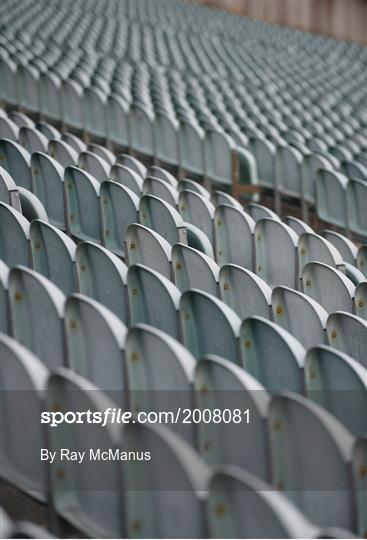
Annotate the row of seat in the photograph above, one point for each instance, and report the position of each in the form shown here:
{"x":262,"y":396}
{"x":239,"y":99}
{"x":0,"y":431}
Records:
{"x":341,"y":201}
{"x":203,"y":497}
{"x":183,"y":114}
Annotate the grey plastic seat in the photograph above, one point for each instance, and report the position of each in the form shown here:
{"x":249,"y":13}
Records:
{"x":36,"y":311}
{"x":62,"y":152}
{"x":87,"y":494}
{"x":191,"y":144}
{"x":197,"y":210}
{"x":268,"y":513}
{"x":300,"y":315}
{"x":102,"y":276}
{"x":119,"y":208}
{"x":95,"y":341}
{"x":95,"y":118}
{"x":324,"y":494}
{"x":192,"y":269}
{"x":356,"y":206}
{"x":153,"y":299}
{"x":118,"y":120}
{"x":331,"y":197}
{"x":161,"y":189}
{"x":166,"y":139}
{"x":233,"y":236}
{"x":72,"y":104}
{"x":264,"y":153}
{"x":332,"y":289}
{"x":98,"y":167}
{"x":220,"y":197}
{"x":21,"y":119}
{"x":359,"y":467}
{"x":360,"y":300}
{"x":141,"y":123}
{"x":192,"y":185}
{"x":147,"y":247}
{"x":48,"y":181}
{"x":102,"y":152}
{"x":276,"y":253}
{"x":198,"y":240}
{"x":4,"y":301}
{"x":362,"y":259}
{"x":14,"y":237}
{"x":48,"y":130}
{"x":160,"y":373}
{"x":348,"y":333}
{"x":257,"y":211}
{"x":32,"y":140}
{"x":23,"y":383}
{"x":162,"y":174}
{"x":8,"y":128}
{"x":297,"y":225}
{"x":16,"y":160}
{"x":347,"y":249}
{"x":53,"y":255}
{"x":276,"y":371}
{"x":127,"y":177}
{"x":82,"y":203}
{"x":220,"y":384}
{"x":9,"y":193}
{"x":132,"y":163}
{"x":338,"y":383}
{"x":172,"y":484}
{"x":288,"y":177}
{"x":162,"y":218}
{"x":245,"y":292}
{"x":313,"y":247}
{"x":209,"y":326}
{"x":74,"y":141}
{"x":32,"y":208}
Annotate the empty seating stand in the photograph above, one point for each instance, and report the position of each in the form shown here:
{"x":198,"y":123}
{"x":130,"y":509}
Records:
{"x":182,"y":228}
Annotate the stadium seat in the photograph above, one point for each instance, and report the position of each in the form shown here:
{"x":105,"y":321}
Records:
{"x":233,"y":237}
{"x":160,"y":373}
{"x":153,"y":299}
{"x":14,"y":237}
{"x":300,"y":315}
{"x":192,"y":269}
{"x":16,"y":160}
{"x":87,"y":495}
{"x":332,"y":289}
{"x":95,"y":341}
{"x":221,"y":385}
{"x":268,"y":512}
{"x":53,"y":255}
{"x":348,"y":333}
{"x":23,"y":383}
{"x":162,"y":218}
{"x":48,"y":181}
{"x":259,"y":338}
{"x":324,"y":493}
{"x":147,"y":247}
{"x":177,"y":496}
{"x":102,"y":276}
{"x":36,"y":313}
{"x":245,"y":292}
{"x":197,"y":210}
{"x":9,"y":192}
{"x":82,"y":204}
{"x":276,"y":253}
{"x":338,"y":383}
{"x":209,"y":326}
